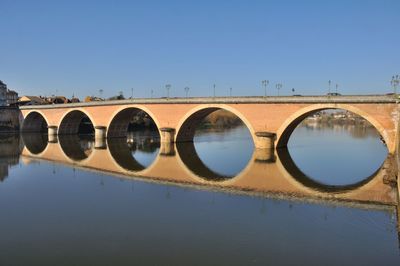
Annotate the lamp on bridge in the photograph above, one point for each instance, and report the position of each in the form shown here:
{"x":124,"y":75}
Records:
{"x":265,"y":84}
{"x":168,"y":87}
{"x":278,"y":87}
{"x":395,"y":82}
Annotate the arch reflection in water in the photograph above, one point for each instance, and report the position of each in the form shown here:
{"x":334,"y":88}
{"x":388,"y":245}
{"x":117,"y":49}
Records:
{"x":36,"y":143}
{"x":217,"y":155}
{"x":291,"y":167}
{"x":137,"y":151}
{"x":259,"y":176}
{"x":336,"y":148}
{"x":76,"y":147}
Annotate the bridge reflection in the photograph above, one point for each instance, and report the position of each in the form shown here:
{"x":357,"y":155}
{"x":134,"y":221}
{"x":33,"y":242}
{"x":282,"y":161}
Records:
{"x":265,"y":173}
{"x":192,"y":161}
{"x":122,"y":151}
{"x":291,"y":167}
{"x":77,"y":148}
{"x":10,"y":150}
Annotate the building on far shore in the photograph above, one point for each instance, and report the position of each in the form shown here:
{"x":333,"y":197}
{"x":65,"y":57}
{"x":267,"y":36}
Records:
{"x":12,"y":98}
{"x":3,"y":94}
{"x":7,"y":97}
{"x":31,"y":100}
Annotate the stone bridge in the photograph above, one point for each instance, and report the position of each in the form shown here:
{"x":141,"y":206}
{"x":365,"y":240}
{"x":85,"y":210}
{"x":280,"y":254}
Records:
{"x":270,"y":120}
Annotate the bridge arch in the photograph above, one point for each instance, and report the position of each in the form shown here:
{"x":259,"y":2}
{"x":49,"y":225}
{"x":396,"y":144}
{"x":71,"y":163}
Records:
{"x":70,"y":122}
{"x":290,"y":124}
{"x":35,"y":121}
{"x":119,"y":123}
{"x":187,"y":125}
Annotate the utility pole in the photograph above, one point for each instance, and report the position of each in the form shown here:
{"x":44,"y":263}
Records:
{"x":230,"y":91}
{"x":131,"y":93}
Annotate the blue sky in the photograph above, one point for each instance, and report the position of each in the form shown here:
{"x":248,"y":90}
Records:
{"x":80,"y":47}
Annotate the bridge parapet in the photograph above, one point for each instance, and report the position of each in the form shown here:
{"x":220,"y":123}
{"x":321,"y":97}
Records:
{"x":228,"y":100}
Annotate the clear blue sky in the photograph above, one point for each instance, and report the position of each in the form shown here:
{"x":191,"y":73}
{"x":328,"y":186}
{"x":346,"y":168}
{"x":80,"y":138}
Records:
{"x":75,"y":47}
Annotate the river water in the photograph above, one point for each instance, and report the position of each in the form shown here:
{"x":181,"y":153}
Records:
{"x":217,"y":202}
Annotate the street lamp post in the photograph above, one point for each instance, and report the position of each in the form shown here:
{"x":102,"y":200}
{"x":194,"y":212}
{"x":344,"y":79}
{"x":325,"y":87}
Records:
{"x":131,"y":93}
{"x":329,"y":87}
{"x":278,"y":87}
{"x":230,"y":91}
{"x":395,"y":83}
{"x":151,"y":93}
{"x":214,"y":90}
{"x":265,"y":84}
{"x":168,"y":87}
{"x":187,"y":91}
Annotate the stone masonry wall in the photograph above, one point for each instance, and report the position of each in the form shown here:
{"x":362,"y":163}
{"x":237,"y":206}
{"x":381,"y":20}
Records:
{"x":9,"y":119}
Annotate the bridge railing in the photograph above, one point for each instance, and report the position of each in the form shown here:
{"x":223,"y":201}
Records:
{"x":229,"y":100}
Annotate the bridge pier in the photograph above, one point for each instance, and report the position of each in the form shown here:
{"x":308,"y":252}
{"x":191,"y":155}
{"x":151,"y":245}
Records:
{"x":100,"y":143}
{"x":167,"y":149}
{"x":52,"y":138}
{"x":264,"y":146}
{"x":265,"y":140}
{"x":264,"y":155}
{"x":52,"y":134}
{"x":167,"y":134}
{"x":52,"y":130}
{"x":100,"y":137}
{"x":100,"y":132}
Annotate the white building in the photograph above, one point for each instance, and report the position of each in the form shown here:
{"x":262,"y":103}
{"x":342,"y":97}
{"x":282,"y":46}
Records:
{"x":3,"y":94}
{"x":7,"y":97}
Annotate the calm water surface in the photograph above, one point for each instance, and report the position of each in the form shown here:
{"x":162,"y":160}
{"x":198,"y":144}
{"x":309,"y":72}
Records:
{"x":56,"y":213}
